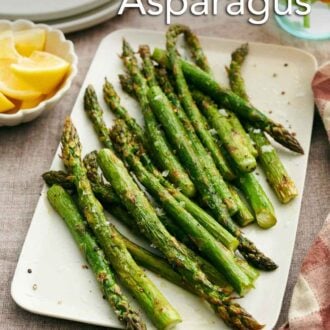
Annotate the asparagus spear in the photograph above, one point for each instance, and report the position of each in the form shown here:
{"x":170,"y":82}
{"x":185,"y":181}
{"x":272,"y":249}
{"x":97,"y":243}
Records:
{"x":145,"y":259}
{"x":235,"y":122}
{"x":150,"y":298}
{"x":196,"y":119}
{"x":243,"y":217}
{"x":66,"y":181}
{"x":261,"y":204}
{"x":258,"y":200}
{"x":152,"y":262}
{"x":194,"y":115}
{"x":208,"y":222}
{"x":90,"y":161}
{"x":203,"y":217}
{"x":219,"y":159}
{"x":275,"y":172}
{"x":66,"y":208}
{"x":236,"y":80}
{"x":95,"y":112}
{"x":206,"y":243}
{"x":125,"y":145}
{"x":232,"y":141}
{"x":198,"y":167}
{"x":160,"y":104}
{"x":128,"y":146}
{"x":267,"y":214}
{"x":106,"y":195}
{"x":133,"y":147}
{"x":226,"y":98}
{"x":201,"y":60}
{"x":194,"y":44}
{"x":61,"y":178}
{"x":156,"y":138}
{"x":111,"y":98}
{"x":217,"y":180}
{"x":247,"y":248}
{"x":148,"y":222}
{"x":161,"y":267}
{"x":203,"y":63}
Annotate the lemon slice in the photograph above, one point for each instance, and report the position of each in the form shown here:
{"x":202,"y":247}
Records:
{"x":14,"y":87}
{"x":27,"y":41}
{"x":5,"y":104}
{"x":29,"y":104}
{"x":7,"y":49}
{"x":43,"y":71}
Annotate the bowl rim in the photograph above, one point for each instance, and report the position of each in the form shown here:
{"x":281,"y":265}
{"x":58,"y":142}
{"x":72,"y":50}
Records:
{"x":22,"y":113}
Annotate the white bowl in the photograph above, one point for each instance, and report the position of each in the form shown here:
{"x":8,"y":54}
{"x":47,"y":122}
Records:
{"x":55,"y":44}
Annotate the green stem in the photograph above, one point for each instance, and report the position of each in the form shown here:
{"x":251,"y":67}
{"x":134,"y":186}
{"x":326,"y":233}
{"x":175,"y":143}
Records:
{"x":194,"y":115}
{"x":95,"y":113}
{"x":229,"y":136}
{"x":161,"y":106}
{"x":156,"y":138}
{"x":218,"y":254}
{"x":146,"y":218}
{"x":229,"y":100}
{"x":243,"y":217}
{"x":150,"y":298}
{"x":219,"y":160}
{"x":159,"y":266}
{"x":269,"y":160}
{"x":66,"y":208}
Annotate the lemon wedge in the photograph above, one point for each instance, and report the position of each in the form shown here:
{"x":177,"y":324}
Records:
{"x":14,"y":87}
{"x":29,"y":104}
{"x":43,"y":71}
{"x":10,"y":85}
{"x":7,"y":49}
{"x":27,"y":41}
{"x":5,"y":104}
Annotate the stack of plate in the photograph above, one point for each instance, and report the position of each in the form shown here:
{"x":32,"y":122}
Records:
{"x":66,"y":15}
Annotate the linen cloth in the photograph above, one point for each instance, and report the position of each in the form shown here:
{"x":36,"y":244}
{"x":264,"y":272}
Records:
{"x":321,"y":89}
{"x":310,"y":304}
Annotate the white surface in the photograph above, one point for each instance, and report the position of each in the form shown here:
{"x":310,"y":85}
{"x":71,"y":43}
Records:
{"x":64,"y":289}
{"x":55,"y":44}
{"x":87,"y":19}
{"x":41,"y":10}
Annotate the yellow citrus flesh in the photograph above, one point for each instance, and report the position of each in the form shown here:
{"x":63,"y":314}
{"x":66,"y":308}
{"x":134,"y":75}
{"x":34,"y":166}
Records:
{"x":43,"y":71}
{"x":5,"y":103}
{"x":29,"y":104}
{"x":10,"y":85}
{"x":27,"y":41}
{"x":7,"y":49}
{"x":14,"y":87}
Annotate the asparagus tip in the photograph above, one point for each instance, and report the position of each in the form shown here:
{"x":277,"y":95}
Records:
{"x":144,"y":51}
{"x":284,"y":137}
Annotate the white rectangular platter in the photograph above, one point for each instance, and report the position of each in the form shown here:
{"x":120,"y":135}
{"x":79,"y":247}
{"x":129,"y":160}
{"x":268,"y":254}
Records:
{"x":278,"y":81}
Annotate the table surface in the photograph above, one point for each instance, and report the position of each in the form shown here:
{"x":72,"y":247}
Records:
{"x":26,"y":151}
